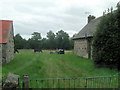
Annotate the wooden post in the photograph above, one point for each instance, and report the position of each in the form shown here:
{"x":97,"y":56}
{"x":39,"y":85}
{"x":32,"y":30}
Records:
{"x":25,"y":81}
{"x":86,"y":83}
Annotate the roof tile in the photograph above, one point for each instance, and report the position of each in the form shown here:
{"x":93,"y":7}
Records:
{"x":89,"y":29}
{"x":5,"y":26}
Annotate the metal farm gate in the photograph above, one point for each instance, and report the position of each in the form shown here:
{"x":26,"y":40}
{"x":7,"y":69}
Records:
{"x":82,"y":82}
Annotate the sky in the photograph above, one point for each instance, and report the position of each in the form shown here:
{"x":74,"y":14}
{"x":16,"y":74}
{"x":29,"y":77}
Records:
{"x":41,"y":16}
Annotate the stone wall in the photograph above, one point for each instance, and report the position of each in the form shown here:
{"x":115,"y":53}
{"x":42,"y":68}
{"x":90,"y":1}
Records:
{"x":10,"y":46}
{"x":83,"y":47}
{"x":91,"y":49}
{"x":4,"y":46}
{"x":80,"y":48}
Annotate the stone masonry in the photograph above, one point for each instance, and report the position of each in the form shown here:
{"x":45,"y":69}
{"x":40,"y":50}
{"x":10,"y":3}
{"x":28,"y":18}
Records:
{"x":80,"y":47}
{"x":10,"y":47}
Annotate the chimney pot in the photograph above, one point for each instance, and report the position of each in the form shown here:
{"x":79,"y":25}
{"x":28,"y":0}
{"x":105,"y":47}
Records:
{"x":90,"y":17}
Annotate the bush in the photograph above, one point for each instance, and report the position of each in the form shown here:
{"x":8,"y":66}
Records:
{"x":106,"y":41}
{"x":4,"y":76}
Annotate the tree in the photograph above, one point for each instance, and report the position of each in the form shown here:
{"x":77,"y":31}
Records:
{"x":51,"y":40}
{"x":19,"y":42}
{"x":35,"y":41}
{"x":36,"y":36}
{"x":71,"y":44}
{"x":62,"y":40}
{"x":45,"y":44}
{"x":106,"y":40}
{"x":50,"y":35}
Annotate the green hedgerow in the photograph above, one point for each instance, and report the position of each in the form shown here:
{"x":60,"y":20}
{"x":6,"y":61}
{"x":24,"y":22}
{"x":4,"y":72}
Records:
{"x":106,"y":41}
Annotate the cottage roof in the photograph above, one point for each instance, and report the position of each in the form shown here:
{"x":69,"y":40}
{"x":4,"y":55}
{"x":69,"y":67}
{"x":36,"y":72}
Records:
{"x":88,"y":30}
{"x":5,"y":26}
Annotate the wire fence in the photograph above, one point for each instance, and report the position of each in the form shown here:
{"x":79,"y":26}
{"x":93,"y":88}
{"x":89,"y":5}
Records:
{"x":82,"y":82}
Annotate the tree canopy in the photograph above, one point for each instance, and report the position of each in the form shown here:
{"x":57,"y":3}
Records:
{"x":62,"y":39}
{"x":53,"y":41}
{"x":19,"y":42}
{"x":36,"y":36}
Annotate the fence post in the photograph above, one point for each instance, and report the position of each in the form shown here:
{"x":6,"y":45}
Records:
{"x":25,"y":81}
{"x":86,"y":83}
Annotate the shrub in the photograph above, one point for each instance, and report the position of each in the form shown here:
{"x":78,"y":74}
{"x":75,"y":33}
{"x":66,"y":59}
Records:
{"x":106,"y":40}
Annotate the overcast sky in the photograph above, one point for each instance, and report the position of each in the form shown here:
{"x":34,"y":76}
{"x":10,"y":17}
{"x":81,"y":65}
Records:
{"x":43,"y":15}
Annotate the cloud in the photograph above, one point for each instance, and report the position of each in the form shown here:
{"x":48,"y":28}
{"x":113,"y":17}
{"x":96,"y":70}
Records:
{"x":44,"y":15}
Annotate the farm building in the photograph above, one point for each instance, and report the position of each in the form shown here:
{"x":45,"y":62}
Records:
{"x":6,"y":41}
{"x":83,"y":40}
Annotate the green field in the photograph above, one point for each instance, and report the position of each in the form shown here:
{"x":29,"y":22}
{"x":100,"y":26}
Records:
{"x":45,"y":65}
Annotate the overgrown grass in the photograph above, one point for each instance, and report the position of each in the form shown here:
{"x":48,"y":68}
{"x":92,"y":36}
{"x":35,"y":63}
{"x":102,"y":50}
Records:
{"x":45,"y":65}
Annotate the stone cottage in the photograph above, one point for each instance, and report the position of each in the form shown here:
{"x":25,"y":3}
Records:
{"x":83,"y":40}
{"x":6,"y":41}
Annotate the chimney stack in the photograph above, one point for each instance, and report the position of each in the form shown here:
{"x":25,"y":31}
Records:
{"x":90,"y":17}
